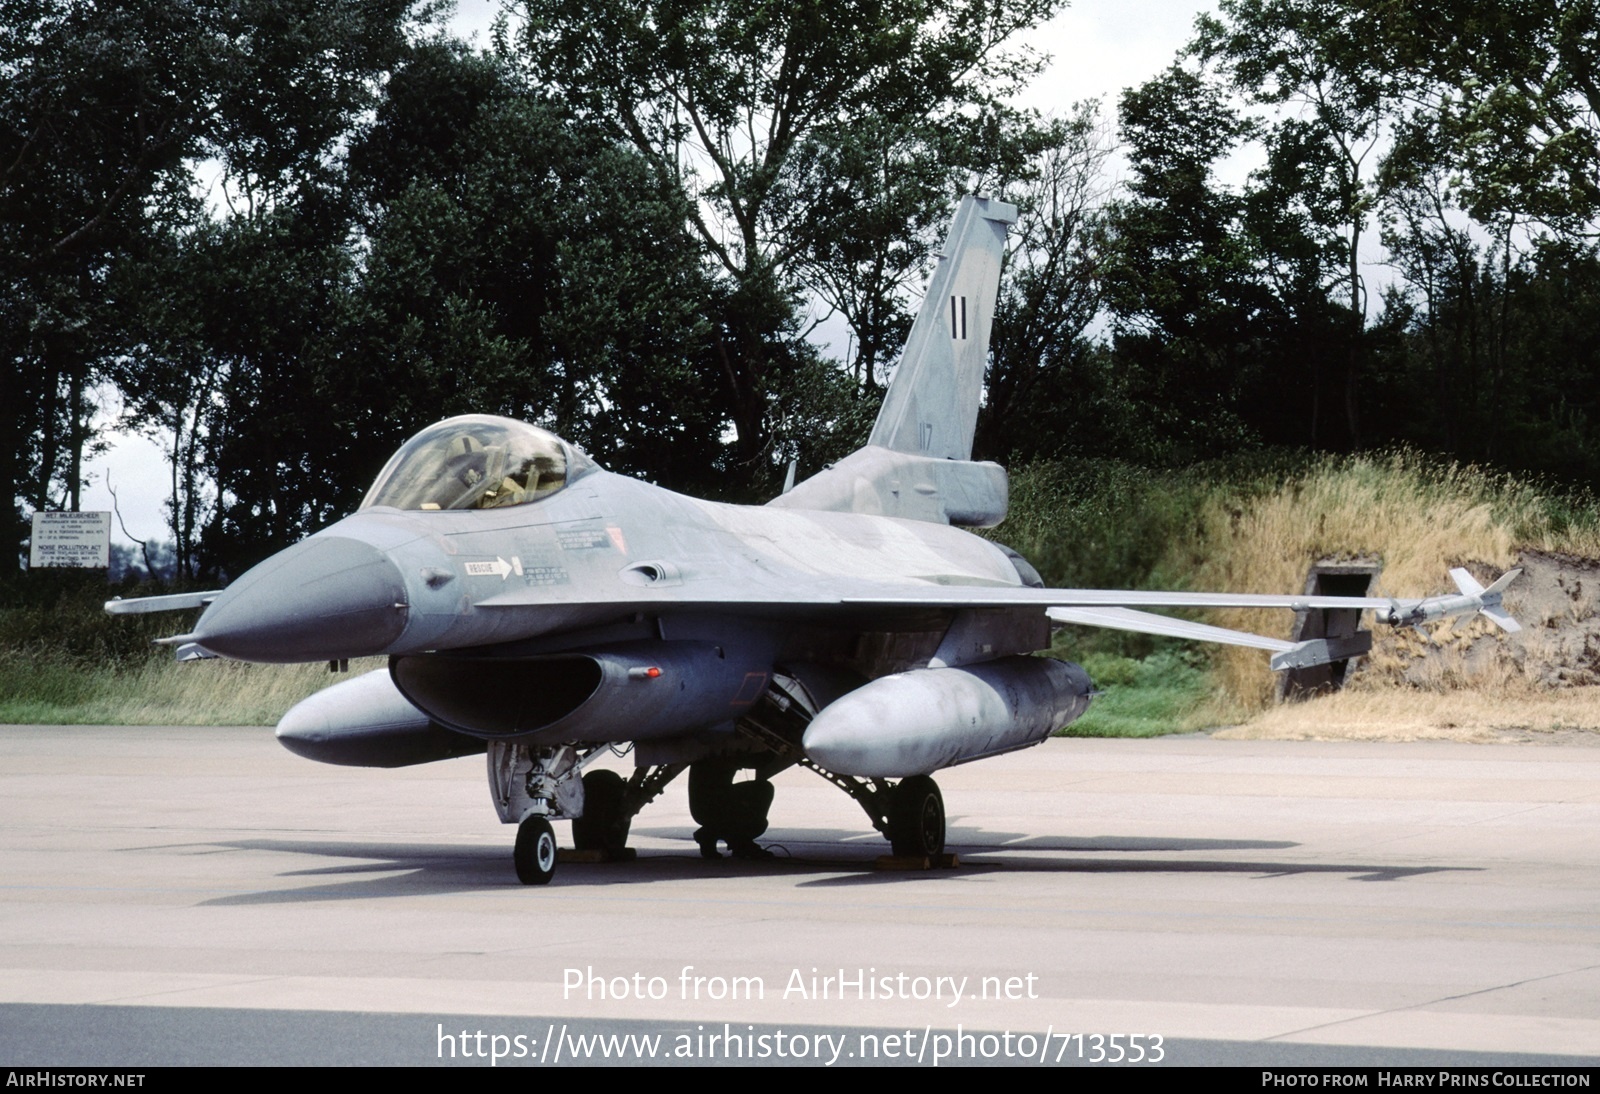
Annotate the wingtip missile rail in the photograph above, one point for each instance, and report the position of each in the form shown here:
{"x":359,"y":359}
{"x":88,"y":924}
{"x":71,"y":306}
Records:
{"x":1473,"y":599}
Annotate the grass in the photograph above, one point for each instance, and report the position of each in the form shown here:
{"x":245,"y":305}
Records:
{"x":1417,"y":519}
{"x":63,"y":660}
{"x":1413,"y":517}
{"x":1472,"y":715}
{"x":1249,"y":524}
{"x":1165,"y":692}
{"x":158,"y":692}
{"x":1258,"y":525}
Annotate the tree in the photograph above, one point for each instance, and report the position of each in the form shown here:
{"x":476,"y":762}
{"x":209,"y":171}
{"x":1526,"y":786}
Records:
{"x":1049,"y":389}
{"x":1182,"y":276}
{"x":1510,"y":93}
{"x":104,"y":109}
{"x":168,"y":378}
{"x":763,"y":115}
{"x":1469,"y":132}
{"x":1324,"y":68}
{"x":878,"y":197}
{"x":1490,"y":206}
{"x":571,"y":293}
{"x":100,"y":103}
{"x":300,"y":74}
{"x":1490,"y":351}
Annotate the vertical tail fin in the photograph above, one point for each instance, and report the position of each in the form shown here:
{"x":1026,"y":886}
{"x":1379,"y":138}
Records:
{"x":918,"y":463}
{"x":931,"y":408}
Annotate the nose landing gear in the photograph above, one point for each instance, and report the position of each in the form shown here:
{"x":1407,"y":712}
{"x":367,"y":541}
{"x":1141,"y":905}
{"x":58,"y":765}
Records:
{"x":535,"y":851}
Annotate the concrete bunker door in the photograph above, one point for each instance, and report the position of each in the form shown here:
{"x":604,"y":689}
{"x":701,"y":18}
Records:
{"x":1330,"y":579}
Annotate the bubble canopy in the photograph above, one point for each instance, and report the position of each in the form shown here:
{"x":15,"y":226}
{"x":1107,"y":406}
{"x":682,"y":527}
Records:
{"x":476,"y":461}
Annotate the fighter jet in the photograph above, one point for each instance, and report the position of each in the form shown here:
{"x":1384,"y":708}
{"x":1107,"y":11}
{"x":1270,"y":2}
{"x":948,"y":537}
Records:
{"x":541,"y":610}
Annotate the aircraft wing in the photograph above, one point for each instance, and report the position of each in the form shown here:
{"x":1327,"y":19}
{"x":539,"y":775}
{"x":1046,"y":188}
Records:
{"x":856,"y":594}
{"x":1009,"y":596}
{"x":1118,"y":609}
{"x":853,"y":593}
{"x":1473,"y":599}
{"x":1109,"y":608}
{"x":867,"y":595}
{"x":143,"y":605}
{"x":1112,"y":608}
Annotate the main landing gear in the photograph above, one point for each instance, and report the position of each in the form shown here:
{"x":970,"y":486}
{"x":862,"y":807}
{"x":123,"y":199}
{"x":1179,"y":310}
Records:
{"x":533,"y":786}
{"x":915,"y":824}
{"x":910,"y":813}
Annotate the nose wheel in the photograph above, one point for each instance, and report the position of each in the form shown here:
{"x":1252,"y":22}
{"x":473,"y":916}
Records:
{"x":535,"y":851}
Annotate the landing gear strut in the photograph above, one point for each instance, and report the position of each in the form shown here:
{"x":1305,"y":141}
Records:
{"x":910,"y":813}
{"x":529,"y":786}
{"x":533,"y":785}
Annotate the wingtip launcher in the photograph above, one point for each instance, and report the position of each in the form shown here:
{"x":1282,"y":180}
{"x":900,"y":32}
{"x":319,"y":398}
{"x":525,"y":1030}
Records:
{"x":1473,"y":599}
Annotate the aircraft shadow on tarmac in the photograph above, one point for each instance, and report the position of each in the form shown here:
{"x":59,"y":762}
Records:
{"x":844,"y":857}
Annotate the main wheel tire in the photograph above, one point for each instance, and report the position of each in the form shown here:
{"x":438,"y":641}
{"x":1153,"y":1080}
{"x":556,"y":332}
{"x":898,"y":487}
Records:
{"x":535,"y":852}
{"x":604,"y":826}
{"x":916,"y":818}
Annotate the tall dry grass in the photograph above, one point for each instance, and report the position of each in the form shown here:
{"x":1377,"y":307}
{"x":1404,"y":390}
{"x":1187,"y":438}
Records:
{"x":1414,"y":517}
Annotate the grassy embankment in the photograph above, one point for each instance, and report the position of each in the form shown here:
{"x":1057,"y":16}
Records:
{"x":1258,"y":528}
{"x":1244,"y":526}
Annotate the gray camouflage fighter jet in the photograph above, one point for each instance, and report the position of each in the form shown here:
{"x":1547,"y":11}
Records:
{"x":538,"y":608}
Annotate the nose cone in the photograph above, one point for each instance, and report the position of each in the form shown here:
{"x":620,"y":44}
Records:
{"x":329,"y":597}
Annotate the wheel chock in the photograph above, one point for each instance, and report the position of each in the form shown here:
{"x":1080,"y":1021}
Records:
{"x":572,"y":854}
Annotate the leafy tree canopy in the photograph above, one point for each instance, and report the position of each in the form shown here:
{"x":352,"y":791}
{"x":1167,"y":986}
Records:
{"x":799,"y":133}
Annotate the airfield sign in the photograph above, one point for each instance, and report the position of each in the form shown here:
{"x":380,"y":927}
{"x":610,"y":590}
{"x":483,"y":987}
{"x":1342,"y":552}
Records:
{"x":71,"y":539}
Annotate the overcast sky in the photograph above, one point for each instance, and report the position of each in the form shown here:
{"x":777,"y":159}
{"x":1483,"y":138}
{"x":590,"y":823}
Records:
{"x":1096,"y":48}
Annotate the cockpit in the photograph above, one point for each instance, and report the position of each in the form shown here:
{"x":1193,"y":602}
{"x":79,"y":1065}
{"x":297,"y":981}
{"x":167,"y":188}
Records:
{"x":476,"y":462}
